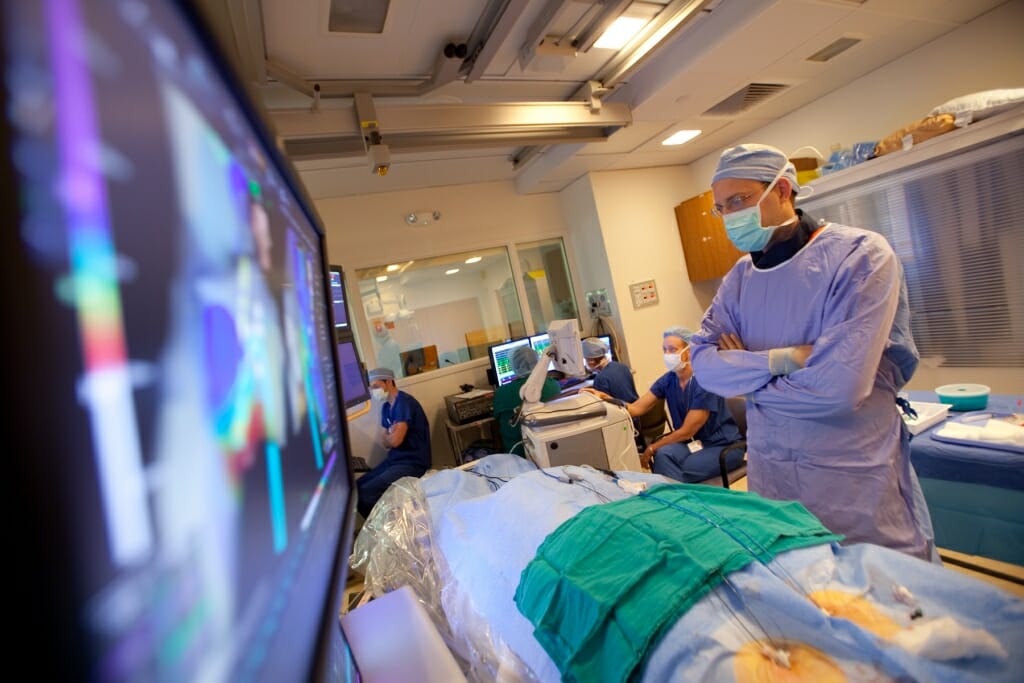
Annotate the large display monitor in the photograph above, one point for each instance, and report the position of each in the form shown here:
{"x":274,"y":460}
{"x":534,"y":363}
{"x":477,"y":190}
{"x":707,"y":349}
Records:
{"x":501,"y":359}
{"x":175,"y":453}
{"x":338,"y":300}
{"x":354,"y":387}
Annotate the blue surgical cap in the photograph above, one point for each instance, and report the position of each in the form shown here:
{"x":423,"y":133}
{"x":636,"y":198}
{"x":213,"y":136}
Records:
{"x":594,"y":348}
{"x":524,"y":358}
{"x":381,"y":373}
{"x":754,"y":162}
{"x":680,"y":332}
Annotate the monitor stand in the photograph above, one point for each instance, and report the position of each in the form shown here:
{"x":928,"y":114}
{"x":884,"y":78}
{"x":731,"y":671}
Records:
{"x":393,"y":639}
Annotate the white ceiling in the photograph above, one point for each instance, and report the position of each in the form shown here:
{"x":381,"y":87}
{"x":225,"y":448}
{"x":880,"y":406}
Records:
{"x":728,"y":44}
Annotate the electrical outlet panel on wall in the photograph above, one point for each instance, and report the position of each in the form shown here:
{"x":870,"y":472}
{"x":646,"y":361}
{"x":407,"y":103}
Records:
{"x":598,"y":303}
{"x":643,"y":293}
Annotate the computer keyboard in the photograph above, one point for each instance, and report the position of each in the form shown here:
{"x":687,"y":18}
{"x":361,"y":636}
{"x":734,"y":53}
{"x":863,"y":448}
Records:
{"x":359,"y":464}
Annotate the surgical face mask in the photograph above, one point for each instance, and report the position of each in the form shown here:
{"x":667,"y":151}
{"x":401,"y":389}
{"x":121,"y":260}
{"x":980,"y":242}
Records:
{"x":378,"y":394}
{"x":744,"y":227}
{"x":674,"y":362}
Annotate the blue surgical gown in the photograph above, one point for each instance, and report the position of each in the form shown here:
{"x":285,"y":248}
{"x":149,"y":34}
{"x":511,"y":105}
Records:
{"x":829,"y":434}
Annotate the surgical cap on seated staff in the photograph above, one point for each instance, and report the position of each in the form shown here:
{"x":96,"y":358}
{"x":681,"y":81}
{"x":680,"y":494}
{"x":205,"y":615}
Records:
{"x":594,"y":348}
{"x":680,"y":332}
{"x":524,"y":358}
{"x":754,"y":162}
{"x":381,"y":373}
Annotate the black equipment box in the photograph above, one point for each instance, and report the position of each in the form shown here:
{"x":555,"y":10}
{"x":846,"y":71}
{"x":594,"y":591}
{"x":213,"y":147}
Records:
{"x":466,"y":409}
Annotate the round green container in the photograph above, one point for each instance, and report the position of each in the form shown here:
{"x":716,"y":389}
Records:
{"x":964,"y":396}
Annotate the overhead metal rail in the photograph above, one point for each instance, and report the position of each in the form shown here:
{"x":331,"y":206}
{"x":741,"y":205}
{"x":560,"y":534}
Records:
{"x":325,"y":133}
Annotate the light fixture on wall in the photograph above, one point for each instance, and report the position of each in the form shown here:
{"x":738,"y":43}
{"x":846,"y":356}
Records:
{"x":422,"y":217}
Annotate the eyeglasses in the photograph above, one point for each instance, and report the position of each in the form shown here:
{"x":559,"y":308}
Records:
{"x":733,"y":203}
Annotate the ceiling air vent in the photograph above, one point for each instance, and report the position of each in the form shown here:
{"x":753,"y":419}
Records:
{"x":357,"y":16}
{"x":832,"y":49}
{"x":747,"y":97}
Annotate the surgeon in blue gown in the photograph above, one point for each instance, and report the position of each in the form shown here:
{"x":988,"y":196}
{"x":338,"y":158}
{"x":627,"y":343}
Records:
{"x":813,"y":329}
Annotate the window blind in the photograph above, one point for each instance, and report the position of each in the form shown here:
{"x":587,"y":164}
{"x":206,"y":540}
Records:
{"x":957,"y":225}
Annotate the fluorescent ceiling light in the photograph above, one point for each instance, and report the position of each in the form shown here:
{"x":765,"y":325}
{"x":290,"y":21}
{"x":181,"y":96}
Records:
{"x":620,"y":32}
{"x":451,"y":271}
{"x":680,"y":136}
{"x":393,"y":267}
{"x":382,"y":278}
{"x":474,"y":259}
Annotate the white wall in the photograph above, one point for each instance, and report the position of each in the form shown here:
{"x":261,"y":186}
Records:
{"x":636,"y":210}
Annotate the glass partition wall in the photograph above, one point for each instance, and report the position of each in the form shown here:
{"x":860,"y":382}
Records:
{"x":430,"y":313}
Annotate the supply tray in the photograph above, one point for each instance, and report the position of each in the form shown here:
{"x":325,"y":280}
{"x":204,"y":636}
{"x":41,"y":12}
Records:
{"x":928,"y":415}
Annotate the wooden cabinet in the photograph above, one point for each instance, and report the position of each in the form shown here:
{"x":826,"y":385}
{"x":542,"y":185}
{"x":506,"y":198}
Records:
{"x":708,"y":251}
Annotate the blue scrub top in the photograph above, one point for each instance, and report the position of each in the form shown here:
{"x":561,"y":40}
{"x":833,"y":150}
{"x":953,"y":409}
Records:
{"x":415,"y":448}
{"x":719,"y":430}
{"x":616,"y":380}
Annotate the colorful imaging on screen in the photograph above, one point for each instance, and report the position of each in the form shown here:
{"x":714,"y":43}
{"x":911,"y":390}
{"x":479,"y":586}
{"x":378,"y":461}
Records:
{"x":206,"y":496}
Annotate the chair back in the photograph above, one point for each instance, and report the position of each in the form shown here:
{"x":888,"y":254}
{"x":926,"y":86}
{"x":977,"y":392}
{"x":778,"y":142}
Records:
{"x":738,"y":409}
{"x":651,"y":424}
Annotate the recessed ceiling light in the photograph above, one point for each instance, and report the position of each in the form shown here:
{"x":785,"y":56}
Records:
{"x":382,"y":278}
{"x":474,"y":259}
{"x":451,"y":271}
{"x":680,"y":136}
{"x":620,"y":32}
{"x":393,"y":267}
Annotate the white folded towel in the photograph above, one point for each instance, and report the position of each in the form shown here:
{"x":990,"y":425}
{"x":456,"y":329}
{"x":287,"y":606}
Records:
{"x":993,"y":431}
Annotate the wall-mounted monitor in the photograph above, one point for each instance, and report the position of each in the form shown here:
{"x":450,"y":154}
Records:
{"x":354,"y":387}
{"x":501,"y":359}
{"x":176,"y":448}
{"x":339,"y":306}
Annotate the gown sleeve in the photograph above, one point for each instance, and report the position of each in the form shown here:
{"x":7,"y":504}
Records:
{"x":726,"y":373}
{"x":841,"y":369}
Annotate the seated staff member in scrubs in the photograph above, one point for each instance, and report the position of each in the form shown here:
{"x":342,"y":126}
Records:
{"x":507,"y":399}
{"x":610,"y":377}
{"x":701,"y":423}
{"x":404,"y":431}
{"x":813,"y":328}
